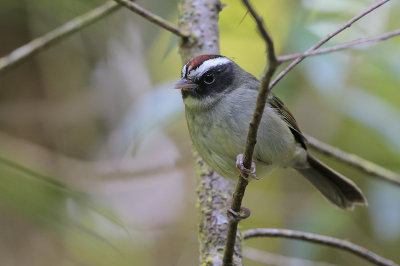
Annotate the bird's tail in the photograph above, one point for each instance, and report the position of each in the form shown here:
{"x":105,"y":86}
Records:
{"x":338,"y":189}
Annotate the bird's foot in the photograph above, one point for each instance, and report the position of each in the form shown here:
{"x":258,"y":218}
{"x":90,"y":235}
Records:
{"x":244,"y":172}
{"x":238,"y":216}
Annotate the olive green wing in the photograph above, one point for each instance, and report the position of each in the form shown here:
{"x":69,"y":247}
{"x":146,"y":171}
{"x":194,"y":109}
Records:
{"x":285,"y":114}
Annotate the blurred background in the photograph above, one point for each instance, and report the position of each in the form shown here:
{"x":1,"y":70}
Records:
{"x":95,"y":158}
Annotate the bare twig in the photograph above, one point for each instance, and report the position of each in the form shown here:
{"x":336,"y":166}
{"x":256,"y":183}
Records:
{"x":340,"y":47}
{"x":252,"y":134}
{"x":320,"y":239}
{"x":324,"y":40}
{"x":56,"y":35}
{"x":154,"y":18}
{"x":266,"y":86}
{"x":264,"y":34}
{"x":268,"y":258}
{"x":355,"y":161}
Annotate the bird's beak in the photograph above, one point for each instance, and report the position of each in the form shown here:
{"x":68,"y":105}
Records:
{"x":185,"y":84}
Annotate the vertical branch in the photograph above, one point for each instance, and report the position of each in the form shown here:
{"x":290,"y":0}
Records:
{"x":214,"y":193}
{"x":200,"y":17}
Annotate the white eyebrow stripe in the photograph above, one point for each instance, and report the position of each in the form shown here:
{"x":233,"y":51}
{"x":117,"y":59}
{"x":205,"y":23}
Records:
{"x":207,"y":65}
{"x":183,"y":73}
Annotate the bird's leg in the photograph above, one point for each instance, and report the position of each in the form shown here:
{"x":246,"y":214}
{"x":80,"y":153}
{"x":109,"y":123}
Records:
{"x":244,"y":172}
{"x":237,"y":216}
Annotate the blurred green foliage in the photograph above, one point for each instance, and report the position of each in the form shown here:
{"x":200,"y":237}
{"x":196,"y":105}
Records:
{"x":95,"y":158}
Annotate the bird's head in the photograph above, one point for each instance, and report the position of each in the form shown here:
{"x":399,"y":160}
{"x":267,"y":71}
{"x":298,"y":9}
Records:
{"x":206,"y":78}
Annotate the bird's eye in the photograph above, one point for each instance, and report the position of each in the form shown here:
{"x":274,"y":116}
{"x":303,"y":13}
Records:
{"x":208,"y":78}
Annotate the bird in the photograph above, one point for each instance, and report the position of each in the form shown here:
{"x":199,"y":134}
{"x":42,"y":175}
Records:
{"x":219,"y":98}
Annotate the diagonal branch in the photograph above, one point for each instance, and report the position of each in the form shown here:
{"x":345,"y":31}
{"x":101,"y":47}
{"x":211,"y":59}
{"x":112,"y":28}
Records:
{"x":320,"y":239}
{"x":26,"y":51}
{"x":324,"y":40}
{"x":154,"y":18}
{"x":266,"y":86}
{"x":340,"y":47}
{"x":252,"y":134}
{"x":355,"y":161}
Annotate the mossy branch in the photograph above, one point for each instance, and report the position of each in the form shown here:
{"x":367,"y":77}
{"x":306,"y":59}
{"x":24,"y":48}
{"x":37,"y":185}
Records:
{"x":201,"y":18}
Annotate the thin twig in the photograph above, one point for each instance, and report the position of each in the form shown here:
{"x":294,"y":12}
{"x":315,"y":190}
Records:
{"x":324,"y":40}
{"x":355,"y":161}
{"x":56,"y":35}
{"x":268,"y":258}
{"x":339,"y":47}
{"x":320,"y":239}
{"x":154,"y":18}
{"x":266,"y":86}
{"x":252,"y":134}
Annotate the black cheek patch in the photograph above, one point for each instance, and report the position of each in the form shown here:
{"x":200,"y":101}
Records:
{"x":223,"y":80}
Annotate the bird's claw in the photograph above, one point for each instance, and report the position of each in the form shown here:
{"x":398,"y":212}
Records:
{"x":238,"y":216}
{"x":244,"y":172}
